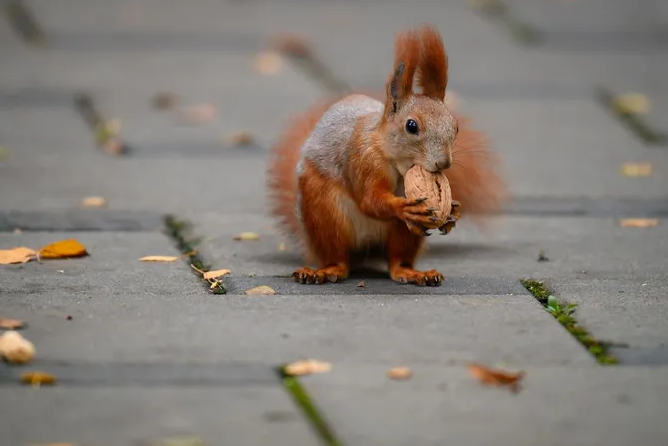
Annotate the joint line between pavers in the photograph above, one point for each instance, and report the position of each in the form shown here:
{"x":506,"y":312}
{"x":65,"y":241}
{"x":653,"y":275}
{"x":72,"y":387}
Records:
{"x":633,"y":121}
{"x":179,"y":232}
{"x":498,"y":11}
{"x":564,"y":313}
{"x":23,"y":22}
{"x":305,"y":402}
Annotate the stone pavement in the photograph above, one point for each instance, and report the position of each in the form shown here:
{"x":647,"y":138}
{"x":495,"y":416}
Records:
{"x":144,"y":352}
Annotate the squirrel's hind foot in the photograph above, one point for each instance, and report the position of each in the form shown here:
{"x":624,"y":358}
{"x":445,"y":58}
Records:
{"x":335,"y":273}
{"x":405,"y":275}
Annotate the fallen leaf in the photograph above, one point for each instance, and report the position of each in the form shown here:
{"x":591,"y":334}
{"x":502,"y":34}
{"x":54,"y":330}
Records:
{"x":262,"y":290}
{"x":37,"y":378}
{"x":307,"y":367}
{"x":361,"y":284}
{"x":292,"y":44}
{"x":11,"y":324}
{"x":69,"y":317}
{"x":542,"y":257}
{"x":268,"y":62}
{"x":239,"y":139}
{"x":247,"y":236}
{"x":15,"y":349}
{"x":179,"y":441}
{"x":637,"y":169}
{"x":158,"y":259}
{"x":63,"y":249}
{"x":94,"y":202}
{"x":215,"y":274}
{"x":282,"y":247}
{"x":164,"y":100}
{"x":639,"y":222}
{"x":17,"y":231}
{"x":636,"y":103}
{"x":399,"y":373}
{"x":113,"y":146}
{"x":16,"y":255}
{"x":496,"y":377}
{"x":197,"y":113}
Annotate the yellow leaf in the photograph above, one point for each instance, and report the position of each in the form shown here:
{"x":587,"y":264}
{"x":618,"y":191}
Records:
{"x":214,"y":274}
{"x":94,"y":202}
{"x":307,"y":367}
{"x":260,"y":290}
{"x":282,"y":247}
{"x":247,"y":236}
{"x":639,"y":222}
{"x":637,"y":169}
{"x":632,"y":103}
{"x":158,"y":259}
{"x":63,"y":249}
{"x":497,"y":377}
{"x":16,"y":255}
{"x":239,"y":139}
{"x":37,"y":378}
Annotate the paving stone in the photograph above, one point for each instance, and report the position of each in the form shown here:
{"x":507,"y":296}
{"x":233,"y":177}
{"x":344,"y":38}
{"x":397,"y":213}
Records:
{"x":81,"y":220}
{"x":111,"y":273}
{"x":272,"y":330}
{"x":630,"y":313}
{"x":556,"y":406}
{"x":109,"y":416}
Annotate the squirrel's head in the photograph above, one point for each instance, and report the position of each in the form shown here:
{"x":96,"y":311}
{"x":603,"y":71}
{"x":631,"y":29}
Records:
{"x":418,"y":127}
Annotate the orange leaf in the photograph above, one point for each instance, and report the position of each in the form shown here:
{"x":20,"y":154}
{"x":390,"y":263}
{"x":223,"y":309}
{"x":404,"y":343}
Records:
{"x":399,"y":373}
{"x":37,"y":378}
{"x":63,"y":249}
{"x":637,"y":169}
{"x":11,"y":324}
{"x":307,"y":367}
{"x":16,"y":255}
{"x":639,"y":222}
{"x":496,"y":377}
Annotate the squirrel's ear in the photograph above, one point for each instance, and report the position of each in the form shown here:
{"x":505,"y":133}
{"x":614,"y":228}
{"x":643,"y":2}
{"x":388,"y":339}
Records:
{"x":400,"y":84}
{"x":432,"y":75}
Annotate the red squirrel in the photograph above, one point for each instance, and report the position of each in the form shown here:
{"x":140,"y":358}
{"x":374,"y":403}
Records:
{"x":335,"y":180}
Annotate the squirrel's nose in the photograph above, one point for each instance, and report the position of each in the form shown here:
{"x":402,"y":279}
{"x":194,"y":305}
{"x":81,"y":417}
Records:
{"x":444,"y":164}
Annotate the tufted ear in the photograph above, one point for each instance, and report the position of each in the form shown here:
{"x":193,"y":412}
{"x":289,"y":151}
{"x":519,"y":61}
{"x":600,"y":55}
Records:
{"x":399,"y":85}
{"x":432,"y":72}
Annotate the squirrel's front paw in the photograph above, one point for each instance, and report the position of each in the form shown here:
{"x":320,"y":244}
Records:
{"x":451,"y":222}
{"x":418,"y":215}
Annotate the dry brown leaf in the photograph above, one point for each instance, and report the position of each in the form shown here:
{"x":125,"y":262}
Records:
{"x":639,"y":222}
{"x":307,"y":367}
{"x":637,"y":169}
{"x":17,"y":231}
{"x":16,"y":349}
{"x":282,"y":247}
{"x":11,"y":324}
{"x":158,"y":259}
{"x":16,"y":255}
{"x":215,"y":274}
{"x":247,"y":236}
{"x":268,"y":62}
{"x":262,"y":290}
{"x":164,"y":100}
{"x":37,"y":378}
{"x":399,"y":373}
{"x":239,"y":139}
{"x":636,"y":103}
{"x":94,"y":202}
{"x":496,"y":377}
{"x":197,"y":113}
{"x":361,"y":284}
{"x":63,"y":249}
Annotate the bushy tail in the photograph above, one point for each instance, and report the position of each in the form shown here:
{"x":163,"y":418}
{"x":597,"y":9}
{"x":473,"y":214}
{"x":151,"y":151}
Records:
{"x":281,"y":169}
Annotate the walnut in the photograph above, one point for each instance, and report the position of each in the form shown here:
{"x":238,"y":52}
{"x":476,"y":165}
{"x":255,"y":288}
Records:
{"x":419,"y":182}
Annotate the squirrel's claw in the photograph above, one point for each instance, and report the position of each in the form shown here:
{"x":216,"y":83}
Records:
{"x":449,"y":225}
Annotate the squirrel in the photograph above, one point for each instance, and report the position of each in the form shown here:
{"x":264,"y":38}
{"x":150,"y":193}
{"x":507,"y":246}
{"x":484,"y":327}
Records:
{"x":335,"y":176}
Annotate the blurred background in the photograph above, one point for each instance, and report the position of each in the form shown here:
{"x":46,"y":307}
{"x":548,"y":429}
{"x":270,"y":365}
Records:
{"x":197,"y":90}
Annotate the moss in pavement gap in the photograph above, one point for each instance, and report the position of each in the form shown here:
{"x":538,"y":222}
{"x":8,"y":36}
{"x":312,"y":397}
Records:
{"x":565,"y":314}
{"x":302,"y":398}
{"x":179,"y":232}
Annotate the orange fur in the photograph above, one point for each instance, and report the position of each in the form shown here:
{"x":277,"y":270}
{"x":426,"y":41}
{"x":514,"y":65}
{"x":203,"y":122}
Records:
{"x":432,"y":75}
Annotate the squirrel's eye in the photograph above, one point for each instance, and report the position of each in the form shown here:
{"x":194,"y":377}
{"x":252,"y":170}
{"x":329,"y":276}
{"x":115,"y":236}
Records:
{"x":411,"y":127}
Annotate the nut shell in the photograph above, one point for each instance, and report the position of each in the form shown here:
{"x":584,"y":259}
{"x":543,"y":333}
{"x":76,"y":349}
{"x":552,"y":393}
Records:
{"x":419,"y":182}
